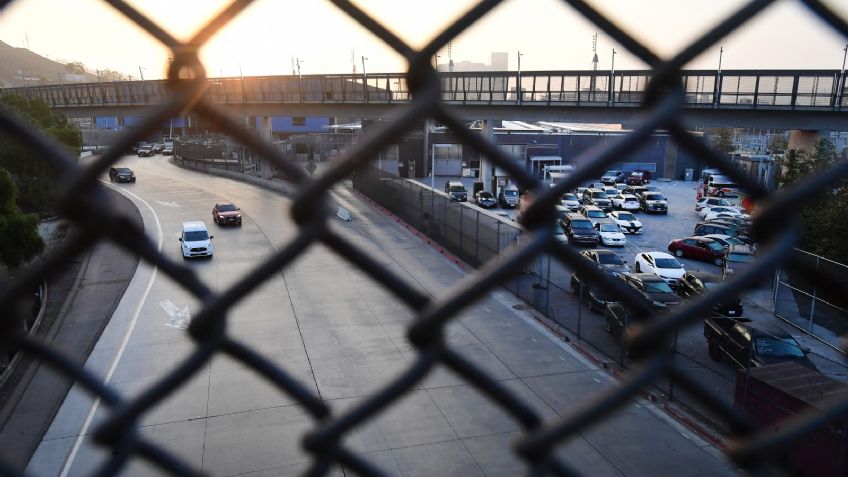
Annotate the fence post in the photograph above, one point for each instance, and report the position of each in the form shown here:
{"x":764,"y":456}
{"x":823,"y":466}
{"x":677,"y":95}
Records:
{"x":477,"y":238}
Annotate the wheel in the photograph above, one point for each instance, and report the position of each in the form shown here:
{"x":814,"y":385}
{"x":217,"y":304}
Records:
{"x":715,"y":354}
{"x":678,"y":252}
{"x":719,"y":261}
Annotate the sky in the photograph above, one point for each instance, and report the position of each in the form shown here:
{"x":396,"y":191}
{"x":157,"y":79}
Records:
{"x":266,"y":37}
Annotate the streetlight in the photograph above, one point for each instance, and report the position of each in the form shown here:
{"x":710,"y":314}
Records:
{"x":720,"y":54}
{"x":141,"y":73}
{"x":298,"y":61}
{"x":519,"y":93}
{"x":363,"y":65}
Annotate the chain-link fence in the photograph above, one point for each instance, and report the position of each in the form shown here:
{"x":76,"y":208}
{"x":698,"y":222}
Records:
{"x":752,"y":447}
{"x":811,"y":305}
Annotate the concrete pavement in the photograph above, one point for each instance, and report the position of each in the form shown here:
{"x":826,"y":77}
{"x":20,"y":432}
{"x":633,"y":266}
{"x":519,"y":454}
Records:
{"x":344,"y":336}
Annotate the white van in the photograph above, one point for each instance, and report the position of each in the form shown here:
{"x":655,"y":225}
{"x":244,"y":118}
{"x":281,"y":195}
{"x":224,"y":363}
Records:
{"x":196,"y":241}
{"x":508,"y":196}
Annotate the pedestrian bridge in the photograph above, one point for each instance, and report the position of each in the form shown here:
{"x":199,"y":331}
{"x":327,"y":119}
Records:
{"x":788,"y":99}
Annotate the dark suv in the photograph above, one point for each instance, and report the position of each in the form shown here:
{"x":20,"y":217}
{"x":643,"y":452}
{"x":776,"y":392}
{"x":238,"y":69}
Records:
{"x":579,"y":229}
{"x":456,"y":190}
{"x":121,"y":174}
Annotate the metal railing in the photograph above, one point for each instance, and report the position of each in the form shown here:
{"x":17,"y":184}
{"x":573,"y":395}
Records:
{"x":660,"y":100}
{"x":813,"y":90}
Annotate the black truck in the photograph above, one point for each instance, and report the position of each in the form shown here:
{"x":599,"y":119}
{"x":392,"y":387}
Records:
{"x":743,"y":342}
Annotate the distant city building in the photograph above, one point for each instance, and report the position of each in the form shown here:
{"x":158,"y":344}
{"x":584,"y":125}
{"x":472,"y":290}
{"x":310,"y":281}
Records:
{"x":499,"y":61}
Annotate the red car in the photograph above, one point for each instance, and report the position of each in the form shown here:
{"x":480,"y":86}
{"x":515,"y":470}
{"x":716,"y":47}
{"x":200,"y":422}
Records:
{"x":699,"y":248}
{"x":226,"y":214}
{"x":638,"y":177}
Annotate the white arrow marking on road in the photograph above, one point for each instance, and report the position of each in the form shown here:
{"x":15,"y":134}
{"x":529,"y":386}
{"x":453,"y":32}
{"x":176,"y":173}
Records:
{"x":167,"y":204}
{"x":180,"y":319}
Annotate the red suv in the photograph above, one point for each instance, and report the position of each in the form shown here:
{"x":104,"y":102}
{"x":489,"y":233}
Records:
{"x":224,"y":214}
{"x":638,"y":177}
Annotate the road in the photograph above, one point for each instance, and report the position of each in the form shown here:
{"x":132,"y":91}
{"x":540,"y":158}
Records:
{"x":343,"y":337}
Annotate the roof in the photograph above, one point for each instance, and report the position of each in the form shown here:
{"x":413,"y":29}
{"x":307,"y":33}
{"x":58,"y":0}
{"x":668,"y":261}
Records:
{"x":194,"y":225}
{"x":658,"y":254}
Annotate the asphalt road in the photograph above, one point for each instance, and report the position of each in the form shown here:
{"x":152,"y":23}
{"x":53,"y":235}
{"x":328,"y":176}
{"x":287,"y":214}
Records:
{"x":343,"y":337}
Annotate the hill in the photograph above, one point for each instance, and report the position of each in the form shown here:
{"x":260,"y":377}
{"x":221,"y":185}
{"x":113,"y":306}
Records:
{"x":21,"y":67}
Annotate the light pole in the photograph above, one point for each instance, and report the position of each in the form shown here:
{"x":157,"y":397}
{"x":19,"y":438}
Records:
{"x":612,"y":77}
{"x":518,"y":93}
{"x":364,"y":80}
{"x":141,"y":74}
{"x":720,"y":54}
{"x":298,"y":61}
{"x":363,"y":65}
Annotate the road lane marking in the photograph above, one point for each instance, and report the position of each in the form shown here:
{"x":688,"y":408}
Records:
{"x":90,"y":417}
{"x":180,"y":318}
{"x":166,"y":204}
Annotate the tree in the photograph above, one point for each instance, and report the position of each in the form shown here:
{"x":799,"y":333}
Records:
{"x":777,"y":145}
{"x":35,"y":179}
{"x":19,"y":239}
{"x":723,"y":141}
{"x":75,"y":67}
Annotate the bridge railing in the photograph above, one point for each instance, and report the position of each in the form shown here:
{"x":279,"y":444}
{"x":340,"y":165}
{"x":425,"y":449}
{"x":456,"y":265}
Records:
{"x":753,"y":89}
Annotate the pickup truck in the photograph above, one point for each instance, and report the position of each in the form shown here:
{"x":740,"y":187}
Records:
{"x":744,"y":342}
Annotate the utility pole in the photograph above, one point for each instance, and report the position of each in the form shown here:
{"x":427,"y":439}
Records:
{"x":592,"y":84}
{"x":363,"y":65}
{"x":518,"y":85}
{"x":353,"y":60}
{"x":141,"y":74}
{"x":298,"y":62}
{"x":612,"y":77}
{"x":364,"y":80}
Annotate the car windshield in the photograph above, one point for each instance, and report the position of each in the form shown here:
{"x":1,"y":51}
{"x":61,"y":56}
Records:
{"x":510,"y":193}
{"x":740,"y":257}
{"x":611,"y":173}
{"x":779,"y":347}
{"x":715,"y":246}
{"x":654,"y":197}
{"x":668,"y":263}
{"x":457,"y":189}
{"x":122,"y":170}
{"x":658,"y":287}
{"x":581,"y":224}
{"x":569,"y":196}
{"x":595,"y":214}
{"x":734,"y":241}
{"x":196,"y":236}
{"x":635,"y":174}
{"x":609,"y":259}
{"x":628,"y":217}
{"x":485,"y":195}
{"x":610,"y":228}
{"x":599,"y":195}
{"x":227,"y":208}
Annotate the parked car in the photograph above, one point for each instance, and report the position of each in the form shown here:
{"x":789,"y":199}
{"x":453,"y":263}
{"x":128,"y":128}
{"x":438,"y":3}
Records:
{"x":456,"y":190}
{"x":121,"y":174}
{"x":598,"y":198}
{"x":607,"y":260}
{"x":168,"y":151}
{"x":653,"y":202}
{"x":226,"y":214}
{"x":723,"y":214}
{"x":635,"y":191}
{"x":195,"y":240}
{"x":559,"y":234}
{"x":157,"y":148}
{"x":725,"y":240}
{"x":610,"y":190}
{"x":638,"y":177}
{"x":626,"y":202}
{"x":610,"y":233}
{"x":613,"y":176}
{"x":579,"y":229}
{"x":661,"y":264}
{"x":592,"y":293}
{"x":740,"y":222}
{"x":485,"y":199}
{"x":508,"y":196}
{"x":711,"y":202}
{"x":145,"y":151}
{"x":699,"y":248}
{"x":628,"y":222}
{"x":570,"y":201}
{"x":721,"y":229}
{"x":620,"y":185}
{"x":593,"y":213}
{"x":717,"y":209}
{"x":744,"y":343}
{"x":695,"y":284}
{"x":654,"y":289}
{"x":738,"y":259}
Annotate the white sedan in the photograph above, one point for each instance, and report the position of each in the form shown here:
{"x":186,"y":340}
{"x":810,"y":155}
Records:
{"x":628,"y":222}
{"x":714,"y":210}
{"x":661,"y":264}
{"x":611,"y":234}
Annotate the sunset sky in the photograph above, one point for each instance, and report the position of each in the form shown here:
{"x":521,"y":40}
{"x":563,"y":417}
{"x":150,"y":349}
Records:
{"x":549,"y":34}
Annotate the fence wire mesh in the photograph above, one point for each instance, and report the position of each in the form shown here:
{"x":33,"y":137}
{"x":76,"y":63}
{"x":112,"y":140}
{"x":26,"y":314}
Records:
{"x":751,"y":448}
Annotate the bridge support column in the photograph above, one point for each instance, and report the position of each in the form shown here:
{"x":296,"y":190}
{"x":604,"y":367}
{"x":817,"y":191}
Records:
{"x":265,"y":168}
{"x":487,"y":167}
{"x":804,"y":139}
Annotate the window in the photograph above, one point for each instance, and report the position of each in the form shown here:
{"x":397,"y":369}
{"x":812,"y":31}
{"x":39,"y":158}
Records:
{"x":447,"y":151}
{"x":298,"y":121}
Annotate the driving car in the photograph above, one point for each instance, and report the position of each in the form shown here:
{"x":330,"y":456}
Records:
{"x":628,"y":222}
{"x":653,"y":202}
{"x":485,"y":199}
{"x":121,"y":174}
{"x":145,"y":151}
{"x":593,"y":213}
{"x":695,"y":284}
{"x":661,"y":264}
{"x":610,"y":234}
{"x":613,"y":176}
{"x":699,"y":248}
{"x":195,"y":240}
{"x":607,"y":260}
{"x":570,"y":201}
{"x":226,"y":214}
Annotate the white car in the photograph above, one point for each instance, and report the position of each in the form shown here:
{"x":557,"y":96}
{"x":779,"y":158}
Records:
{"x":628,"y":222}
{"x":708,"y":210}
{"x":712,"y":202}
{"x":625,"y":202}
{"x":719,"y":215}
{"x":195,"y":240}
{"x":661,"y":264}
{"x":570,"y":201}
{"x":611,"y":234}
